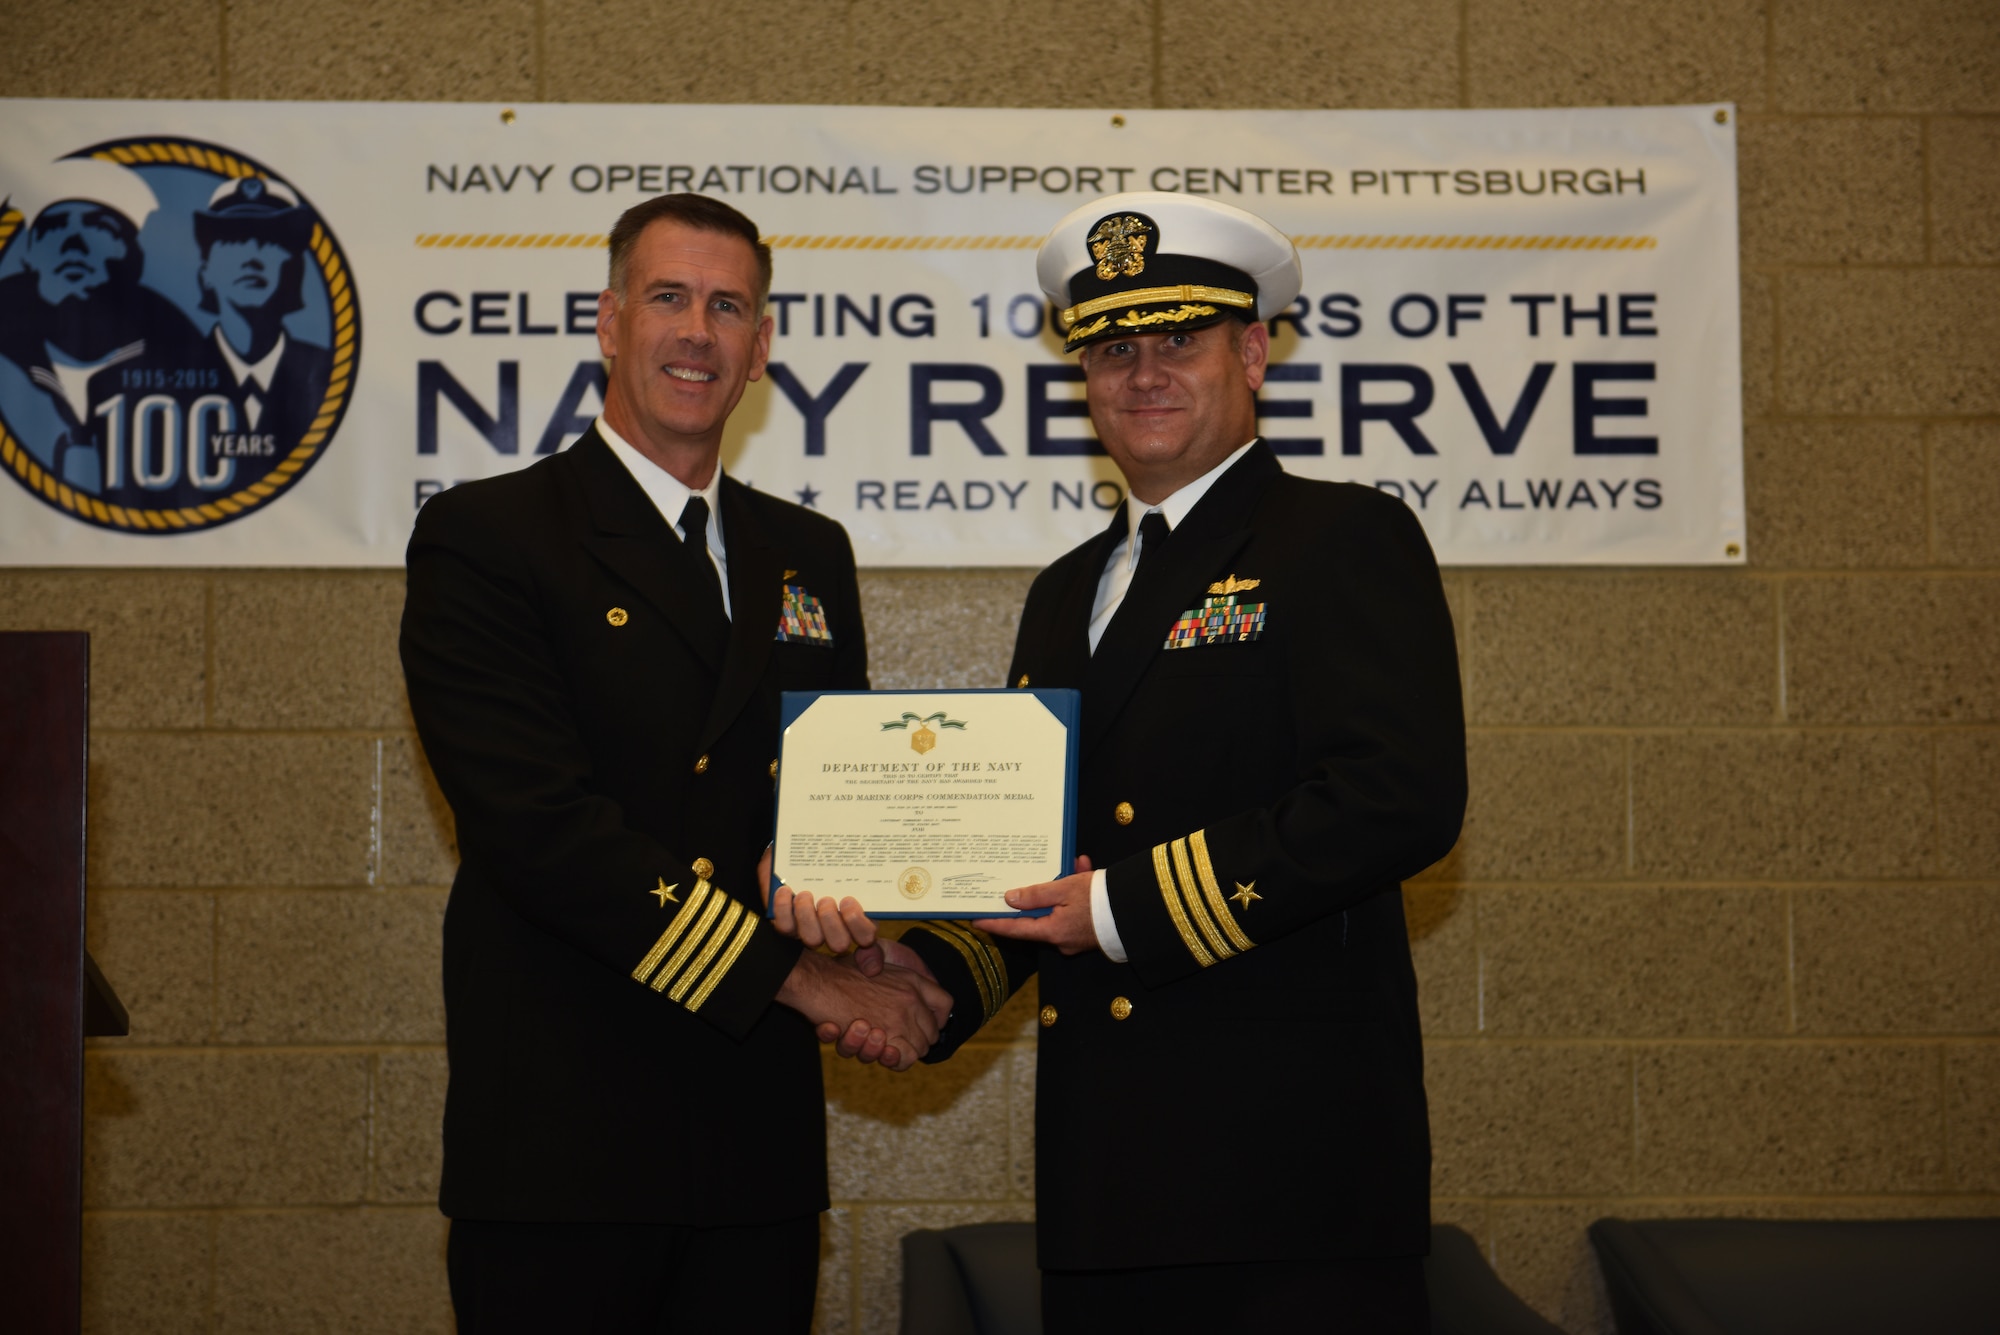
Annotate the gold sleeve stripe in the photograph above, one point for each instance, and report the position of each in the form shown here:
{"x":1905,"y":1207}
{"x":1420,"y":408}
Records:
{"x":1171,"y":894}
{"x":687,"y":947}
{"x":1197,"y":909}
{"x":681,"y":922}
{"x":730,"y":917}
{"x":1198,"y":841}
{"x":989,"y":971}
{"x":727,"y":962}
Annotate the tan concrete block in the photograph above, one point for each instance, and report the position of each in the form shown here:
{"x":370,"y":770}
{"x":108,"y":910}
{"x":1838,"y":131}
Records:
{"x":1972,"y":1132}
{"x":1758,"y":294}
{"x":1014,"y":53}
{"x":1890,"y":341}
{"x":172,"y":810}
{"x":1965,"y":493}
{"x":1831,"y":191}
{"x":359,"y":1272}
{"x":1818,"y":1118}
{"x":419,"y":838}
{"x":802,"y":53}
{"x":1835,"y":494}
{"x":1528,"y":1119}
{"x":157,"y":950}
{"x":933,"y":1133}
{"x":311,"y":650}
{"x":1968,"y":804}
{"x":1904,"y":650}
{"x":879,"y":1264}
{"x":1317,"y":53}
{"x":1859,"y":55}
{"x":1781,"y":804}
{"x":443,"y":51}
{"x":1543,"y":805}
{"x":1965,"y":190}
{"x":177,"y":1130}
{"x":1542,"y":1251}
{"x":1897,"y":960}
{"x":146,"y":638}
{"x":1653,"y":961}
{"x":340,"y":966}
{"x":1444,"y":948}
{"x":111,"y":48}
{"x":1562,"y":53}
{"x":145,"y":1274}
{"x":1650,"y":649}
{"x":1021,"y":1123}
{"x":833,"y":1312}
{"x":408,"y":1125}
{"x":941,"y":628}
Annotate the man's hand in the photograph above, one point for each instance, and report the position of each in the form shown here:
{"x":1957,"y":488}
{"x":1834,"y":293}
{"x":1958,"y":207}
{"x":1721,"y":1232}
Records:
{"x":839,"y":927}
{"x":1069,"y":928}
{"x":892,"y":1017}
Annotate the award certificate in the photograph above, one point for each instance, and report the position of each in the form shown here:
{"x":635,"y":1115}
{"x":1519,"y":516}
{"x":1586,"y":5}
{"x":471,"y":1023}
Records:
{"x":926,"y":804}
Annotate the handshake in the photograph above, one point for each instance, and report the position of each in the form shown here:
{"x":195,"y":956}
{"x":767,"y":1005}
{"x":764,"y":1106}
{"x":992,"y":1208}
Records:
{"x":875,"y":999}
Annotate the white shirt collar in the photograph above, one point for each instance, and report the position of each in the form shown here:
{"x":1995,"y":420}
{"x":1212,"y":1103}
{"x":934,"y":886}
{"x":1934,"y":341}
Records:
{"x":1176,"y":506}
{"x":668,"y":493}
{"x":264,"y":368}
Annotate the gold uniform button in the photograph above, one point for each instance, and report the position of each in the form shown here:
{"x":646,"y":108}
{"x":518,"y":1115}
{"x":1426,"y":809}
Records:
{"x":617,"y":616}
{"x":701,"y":765}
{"x":1120,"y":1008}
{"x":1122,"y":813}
{"x":774,"y":769}
{"x":703,"y":868}
{"x":1048,"y":1016}
{"x":1022,"y":682}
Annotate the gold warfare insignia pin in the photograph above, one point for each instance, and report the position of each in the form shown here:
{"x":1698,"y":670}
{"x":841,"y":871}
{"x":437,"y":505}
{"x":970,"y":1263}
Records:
{"x":1234,"y":585}
{"x":1118,"y":244}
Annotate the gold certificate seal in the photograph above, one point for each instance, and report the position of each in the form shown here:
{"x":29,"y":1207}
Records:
{"x":915,"y":883}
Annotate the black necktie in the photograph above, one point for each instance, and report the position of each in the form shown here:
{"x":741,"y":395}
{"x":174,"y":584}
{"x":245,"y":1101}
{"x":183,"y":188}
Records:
{"x":1152,"y":542}
{"x":694,"y":528}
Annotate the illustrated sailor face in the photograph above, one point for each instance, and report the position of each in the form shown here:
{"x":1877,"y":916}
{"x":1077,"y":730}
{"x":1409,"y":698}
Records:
{"x":244,"y":273}
{"x":74,"y":247}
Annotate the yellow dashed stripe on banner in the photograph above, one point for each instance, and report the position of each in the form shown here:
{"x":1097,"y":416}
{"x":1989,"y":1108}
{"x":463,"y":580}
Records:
{"x":1407,"y":242}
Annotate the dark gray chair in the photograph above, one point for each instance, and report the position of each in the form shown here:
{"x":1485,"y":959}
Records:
{"x":980,"y":1279}
{"x":1790,"y":1277}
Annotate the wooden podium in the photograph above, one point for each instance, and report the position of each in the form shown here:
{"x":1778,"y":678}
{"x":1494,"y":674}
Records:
{"x":51,"y":994}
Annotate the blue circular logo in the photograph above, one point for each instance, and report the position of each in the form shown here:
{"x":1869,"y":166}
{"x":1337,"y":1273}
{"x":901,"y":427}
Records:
{"x":179,"y":334}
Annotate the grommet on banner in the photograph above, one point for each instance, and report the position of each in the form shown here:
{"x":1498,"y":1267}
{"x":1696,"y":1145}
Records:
{"x":507,"y":116}
{"x":1722,"y":115}
{"x":1117,"y":122}
{"x":1732,"y":551}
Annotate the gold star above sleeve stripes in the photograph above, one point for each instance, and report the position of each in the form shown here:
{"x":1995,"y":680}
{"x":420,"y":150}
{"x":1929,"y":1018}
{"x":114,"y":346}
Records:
{"x":1194,"y":900}
{"x":989,"y":970}
{"x":711,"y":929}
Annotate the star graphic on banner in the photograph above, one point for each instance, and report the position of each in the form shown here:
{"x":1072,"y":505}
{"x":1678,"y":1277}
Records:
{"x":808,"y":497}
{"x":1245,"y":893}
{"x":666,"y":892}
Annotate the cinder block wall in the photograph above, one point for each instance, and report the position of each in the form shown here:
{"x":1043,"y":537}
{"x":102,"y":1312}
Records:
{"x":1721,"y":934}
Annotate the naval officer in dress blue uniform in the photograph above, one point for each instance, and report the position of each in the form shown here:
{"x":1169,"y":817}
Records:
{"x":1230,"y":1120}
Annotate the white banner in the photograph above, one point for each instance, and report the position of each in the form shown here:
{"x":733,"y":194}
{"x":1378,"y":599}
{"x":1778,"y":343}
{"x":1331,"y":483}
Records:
{"x":239,"y":333}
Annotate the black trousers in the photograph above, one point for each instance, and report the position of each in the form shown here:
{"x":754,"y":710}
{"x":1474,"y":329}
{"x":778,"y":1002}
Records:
{"x":634,"y":1279}
{"x":1383,"y":1296}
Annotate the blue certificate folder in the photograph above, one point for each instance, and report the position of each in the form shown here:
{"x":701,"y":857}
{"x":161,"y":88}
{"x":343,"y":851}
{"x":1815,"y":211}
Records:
{"x":1067,"y":707}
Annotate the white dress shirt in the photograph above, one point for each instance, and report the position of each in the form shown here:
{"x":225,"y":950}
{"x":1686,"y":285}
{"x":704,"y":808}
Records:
{"x":1111,"y":587}
{"x":670,"y":496}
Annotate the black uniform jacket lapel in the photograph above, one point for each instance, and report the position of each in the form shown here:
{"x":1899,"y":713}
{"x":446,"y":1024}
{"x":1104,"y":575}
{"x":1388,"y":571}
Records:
{"x":631,"y":537}
{"x":1196,"y":555}
{"x":756,"y":589}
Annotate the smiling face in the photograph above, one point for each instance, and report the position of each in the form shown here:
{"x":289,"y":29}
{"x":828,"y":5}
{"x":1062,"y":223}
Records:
{"x":683,"y":338}
{"x":1169,"y":407}
{"x":244,"y":273}
{"x":72,"y":248}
